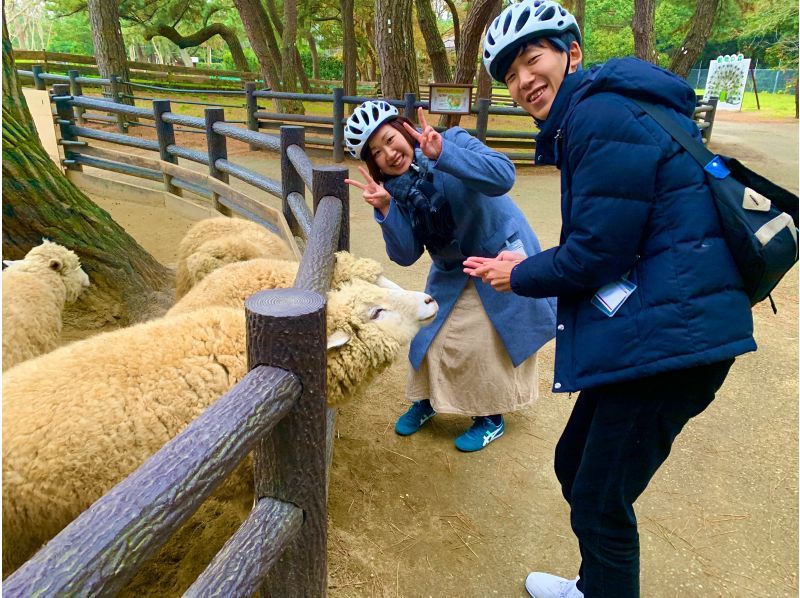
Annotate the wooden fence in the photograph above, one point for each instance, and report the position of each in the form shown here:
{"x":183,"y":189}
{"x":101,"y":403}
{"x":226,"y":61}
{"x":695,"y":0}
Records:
{"x":278,"y":409}
{"x":327,"y":131}
{"x":211,"y":78}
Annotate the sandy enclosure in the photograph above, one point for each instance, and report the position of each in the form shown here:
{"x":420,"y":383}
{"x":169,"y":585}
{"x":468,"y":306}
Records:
{"x":414,"y":517}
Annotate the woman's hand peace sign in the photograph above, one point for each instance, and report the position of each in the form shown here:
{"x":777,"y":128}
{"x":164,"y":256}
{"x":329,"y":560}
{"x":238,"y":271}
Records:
{"x":374,"y":192}
{"x":430,"y":142}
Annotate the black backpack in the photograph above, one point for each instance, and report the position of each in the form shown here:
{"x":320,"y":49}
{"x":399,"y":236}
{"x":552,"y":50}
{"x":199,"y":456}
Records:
{"x":759,"y":218}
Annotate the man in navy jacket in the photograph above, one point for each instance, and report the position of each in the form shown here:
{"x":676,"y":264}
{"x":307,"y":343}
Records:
{"x":651,"y":311}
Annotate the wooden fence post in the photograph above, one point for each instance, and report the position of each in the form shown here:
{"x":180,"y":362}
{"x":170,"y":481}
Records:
{"x":166,"y":137}
{"x":252,"y":106}
{"x":286,"y":329}
{"x":38,"y":82}
{"x":329,"y":180}
{"x":338,"y":124}
{"x":291,"y":181}
{"x":66,"y":118}
{"x":483,"y":118}
{"x":410,"y":113}
{"x":117,"y":99}
{"x":217,"y":150}
{"x":76,"y":90}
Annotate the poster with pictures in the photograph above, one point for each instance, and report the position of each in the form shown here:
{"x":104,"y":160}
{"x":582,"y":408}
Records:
{"x":727,"y":78}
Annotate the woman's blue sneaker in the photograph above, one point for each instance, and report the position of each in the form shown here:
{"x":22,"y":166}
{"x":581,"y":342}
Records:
{"x":482,"y":432}
{"x":411,"y":421}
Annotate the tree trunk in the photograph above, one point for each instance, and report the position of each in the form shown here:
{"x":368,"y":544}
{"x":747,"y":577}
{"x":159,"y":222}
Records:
{"x":305,"y":84}
{"x":369,"y":51}
{"x":484,"y":78}
{"x":476,"y":22}
{"x":195,"y":39}
{"x":433,"y":41}
{"x":456,"y":26}
{"x":703,"y":21}
{"x":255,"y":23}
{"x":394,"y":38}
{"x":312,"y":48}
{"x":643,"y":25}
{"x":580,"y":14}
{"x":40,"y":202}
{"x":288,"y":50}
{"x":109,"y":47}
{"x":349,"y":54}
{"x":275,"y":16}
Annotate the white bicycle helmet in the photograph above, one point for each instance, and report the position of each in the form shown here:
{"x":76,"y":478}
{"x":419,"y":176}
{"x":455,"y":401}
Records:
{"x":520,"y":23}
{"x":364,"y":121}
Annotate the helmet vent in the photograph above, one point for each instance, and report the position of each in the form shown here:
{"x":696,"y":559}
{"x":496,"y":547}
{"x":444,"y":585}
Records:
{"x":489,"y":38}
{"x":548,"y":14}
{"x":523,"y":18}
{"x":507,"y":22}
{"x":560,"y":23}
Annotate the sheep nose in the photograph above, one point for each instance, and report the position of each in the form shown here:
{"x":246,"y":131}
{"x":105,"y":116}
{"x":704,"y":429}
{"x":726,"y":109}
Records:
{"x":428,"y":299}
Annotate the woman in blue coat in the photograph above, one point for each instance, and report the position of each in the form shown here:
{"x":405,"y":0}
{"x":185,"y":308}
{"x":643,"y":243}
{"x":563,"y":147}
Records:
{"x":651,"y":310}
{"x":447,"y":194}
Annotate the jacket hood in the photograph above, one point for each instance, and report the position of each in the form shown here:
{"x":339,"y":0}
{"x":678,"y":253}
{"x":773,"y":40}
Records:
{"x":628,"y":77}
{"x":640,"y":80}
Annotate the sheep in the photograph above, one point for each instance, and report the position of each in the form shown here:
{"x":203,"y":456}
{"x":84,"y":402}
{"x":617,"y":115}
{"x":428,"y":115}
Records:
{"x":80,"y":419}
{"x":231,"y":284}
{"x":35,"y":290}
{"x":214,"y":242}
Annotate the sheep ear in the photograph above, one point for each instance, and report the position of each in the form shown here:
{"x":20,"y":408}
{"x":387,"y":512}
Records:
{"x":55,"y":265}
{"x":337,"y":339}
{"x":385,"y":283}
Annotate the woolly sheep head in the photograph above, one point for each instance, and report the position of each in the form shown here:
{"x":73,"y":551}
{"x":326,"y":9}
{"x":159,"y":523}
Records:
{"x":52,"y":258}
{"x":367,"y":327}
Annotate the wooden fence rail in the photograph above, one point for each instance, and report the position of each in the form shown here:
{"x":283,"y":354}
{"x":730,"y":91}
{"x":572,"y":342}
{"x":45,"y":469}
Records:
{"x":278,"y":410}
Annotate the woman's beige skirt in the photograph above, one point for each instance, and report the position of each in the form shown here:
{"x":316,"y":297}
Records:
{"x":467,"y":369}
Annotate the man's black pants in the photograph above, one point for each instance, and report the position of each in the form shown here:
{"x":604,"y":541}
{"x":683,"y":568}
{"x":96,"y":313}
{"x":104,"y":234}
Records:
{"x":615,"y":440}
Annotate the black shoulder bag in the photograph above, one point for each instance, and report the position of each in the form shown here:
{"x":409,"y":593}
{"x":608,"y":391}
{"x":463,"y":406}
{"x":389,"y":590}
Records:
{"x":759,"y":218}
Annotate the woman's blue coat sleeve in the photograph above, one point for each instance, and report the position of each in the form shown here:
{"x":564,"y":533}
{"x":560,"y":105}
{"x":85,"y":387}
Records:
{"x":476,"y":165}
{"x":402,"y":246}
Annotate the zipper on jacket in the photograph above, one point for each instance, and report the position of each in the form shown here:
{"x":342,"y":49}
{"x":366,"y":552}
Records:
{"x":559,"y":144}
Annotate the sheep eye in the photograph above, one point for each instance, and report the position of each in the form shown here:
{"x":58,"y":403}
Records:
{"x":375,"y":313}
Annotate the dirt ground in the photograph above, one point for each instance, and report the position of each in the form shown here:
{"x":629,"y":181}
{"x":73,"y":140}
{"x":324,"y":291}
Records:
{"x":414,"y":517}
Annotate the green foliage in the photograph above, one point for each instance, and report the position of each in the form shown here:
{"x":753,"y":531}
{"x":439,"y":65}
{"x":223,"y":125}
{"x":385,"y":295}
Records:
{"x":607,"y":30}
{"x":329,"y":67}
{"x":71,"y":34}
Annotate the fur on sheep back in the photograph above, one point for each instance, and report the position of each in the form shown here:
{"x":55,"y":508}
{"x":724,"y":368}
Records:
{"x":80,"y":419}
{"x":232,"y":284}
{"x":35,"y":290}
{"x":214,"y":242}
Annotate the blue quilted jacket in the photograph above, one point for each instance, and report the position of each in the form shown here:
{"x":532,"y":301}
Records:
{"x":633,"y":204}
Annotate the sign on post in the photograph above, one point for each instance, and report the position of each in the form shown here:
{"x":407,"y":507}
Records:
{"x":727,"y":78}
{"x":450,"y":98}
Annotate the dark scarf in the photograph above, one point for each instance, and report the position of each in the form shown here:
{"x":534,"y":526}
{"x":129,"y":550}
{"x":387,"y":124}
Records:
{"x":429,"y":211}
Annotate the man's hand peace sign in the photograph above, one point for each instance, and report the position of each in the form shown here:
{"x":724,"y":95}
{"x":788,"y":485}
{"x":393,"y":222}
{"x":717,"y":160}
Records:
{"x":430,"y":142}
{"x":374,"y":192}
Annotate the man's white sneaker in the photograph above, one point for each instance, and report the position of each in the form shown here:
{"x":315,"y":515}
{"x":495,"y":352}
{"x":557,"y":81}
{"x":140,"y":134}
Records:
{"x":544,"y":585}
